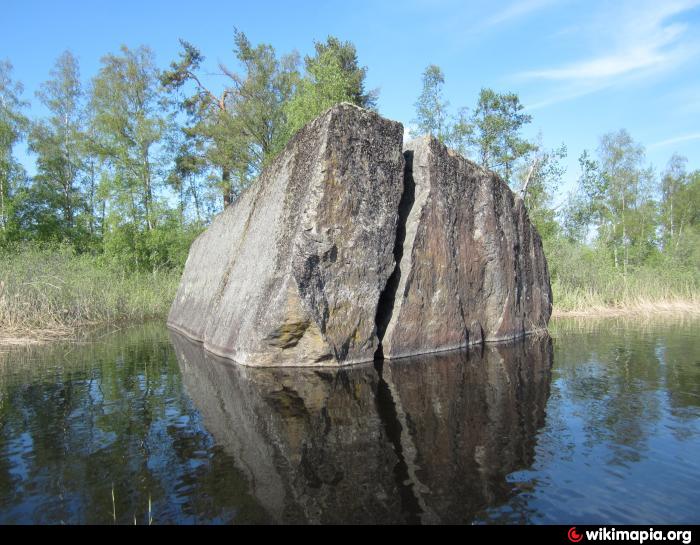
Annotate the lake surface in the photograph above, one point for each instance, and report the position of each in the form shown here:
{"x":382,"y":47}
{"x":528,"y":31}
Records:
{"x":598,"y":424}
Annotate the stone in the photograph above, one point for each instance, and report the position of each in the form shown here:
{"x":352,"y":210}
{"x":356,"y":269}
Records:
{"x":292,"y":272}
{"x":471,"y":267}
{"x":350,"y":248}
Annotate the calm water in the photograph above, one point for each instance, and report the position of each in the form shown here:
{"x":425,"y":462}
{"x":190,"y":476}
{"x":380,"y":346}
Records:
{"x":600,"y":424}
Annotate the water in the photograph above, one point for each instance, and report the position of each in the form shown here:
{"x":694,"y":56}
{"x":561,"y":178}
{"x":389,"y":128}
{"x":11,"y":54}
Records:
{"x":600,"y":424}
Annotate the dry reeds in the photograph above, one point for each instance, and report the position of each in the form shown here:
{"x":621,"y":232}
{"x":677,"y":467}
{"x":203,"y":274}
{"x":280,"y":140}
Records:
{"x":52,"y":294}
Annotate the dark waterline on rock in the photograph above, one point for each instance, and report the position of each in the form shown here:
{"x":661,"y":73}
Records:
{"x":600,"y":425}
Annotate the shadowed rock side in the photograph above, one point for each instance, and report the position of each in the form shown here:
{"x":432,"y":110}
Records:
{"x":426,"y":439}
{"x":291,"y":274}
{"x":471,"y":267}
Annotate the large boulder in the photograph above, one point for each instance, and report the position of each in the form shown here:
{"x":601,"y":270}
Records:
{"x":470,"y":263}
{"x":291,"y":274}
{"x":336,"y":255}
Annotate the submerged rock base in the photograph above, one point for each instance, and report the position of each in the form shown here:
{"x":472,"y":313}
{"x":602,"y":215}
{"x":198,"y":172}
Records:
{"x":349,"y":248}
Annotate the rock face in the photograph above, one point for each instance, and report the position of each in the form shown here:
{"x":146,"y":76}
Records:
{"x":349,"y":248}
{"x":291,"y":274}
{"x":471,"y":265}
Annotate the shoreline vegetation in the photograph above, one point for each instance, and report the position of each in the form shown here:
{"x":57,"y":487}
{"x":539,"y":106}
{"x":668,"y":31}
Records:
{"x":53,"y":294}
{"x":632,"y":309}
{"x":128,"y":164}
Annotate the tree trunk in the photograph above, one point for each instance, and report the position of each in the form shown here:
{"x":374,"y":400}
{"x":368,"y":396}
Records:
{"x":195,"y":196}
{"x":226,"y":182}
{"x":2,"y":205}
{"x":148,"y":192}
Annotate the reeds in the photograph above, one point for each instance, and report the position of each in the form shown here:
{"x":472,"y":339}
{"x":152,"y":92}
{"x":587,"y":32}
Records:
{"x":609,"y":293}
{"x":48,"y":294}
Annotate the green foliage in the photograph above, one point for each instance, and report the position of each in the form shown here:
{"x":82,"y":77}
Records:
{"x":615,"y":199}
{"x":59,"y":143}
{"x":239,"y":131}
{"x":332,"y":76}
{"x":539,"y":182}
{"x":54,"y":290}
{"x":497,"y":121}
{"x":129,"y":172}
{"x":492,"y":132}
{"x":431,"y":106}
{"x":13,"y":127}
{"x":258,"y":96}
{"x":614,"y":243}
{"x":680,"y":212}
{"x":585,"y":279}
{"x":129,"y":123}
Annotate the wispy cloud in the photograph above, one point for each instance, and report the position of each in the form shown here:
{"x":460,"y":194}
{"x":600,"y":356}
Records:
{"x":466,"y":22}
{"x":516,"y":10}
{"x":642,"y":39}
{"x":563,"y":95}
{"x":675,"y":140}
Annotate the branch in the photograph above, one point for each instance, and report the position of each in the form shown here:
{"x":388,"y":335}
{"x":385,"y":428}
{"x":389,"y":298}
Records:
{"x":523,"y":190}
{"x":212,"y":96}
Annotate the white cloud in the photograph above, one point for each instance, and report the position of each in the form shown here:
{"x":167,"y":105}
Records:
{"x":638,"y":40}
{"x":675,"y":140}
{"x":463,"y":22}
{"x":564,"y":95}
{"x":516,"y":10}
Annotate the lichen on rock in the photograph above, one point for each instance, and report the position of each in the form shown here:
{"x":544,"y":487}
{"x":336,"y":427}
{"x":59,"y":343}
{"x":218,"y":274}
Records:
{"x":349,"y":247}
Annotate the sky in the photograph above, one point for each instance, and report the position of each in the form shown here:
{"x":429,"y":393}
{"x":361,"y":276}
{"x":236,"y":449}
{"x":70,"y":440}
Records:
{"x":581,"y":68}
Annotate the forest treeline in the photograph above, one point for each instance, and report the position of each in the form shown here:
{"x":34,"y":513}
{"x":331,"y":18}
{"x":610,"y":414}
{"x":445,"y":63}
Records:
{"x":132,"y":163}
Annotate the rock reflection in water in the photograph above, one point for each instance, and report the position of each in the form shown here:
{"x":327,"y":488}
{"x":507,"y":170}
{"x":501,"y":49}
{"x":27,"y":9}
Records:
{"x":419,"y":440}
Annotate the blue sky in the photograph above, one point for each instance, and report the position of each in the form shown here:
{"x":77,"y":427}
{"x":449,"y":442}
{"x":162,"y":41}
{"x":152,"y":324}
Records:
{"x":582,"y":68}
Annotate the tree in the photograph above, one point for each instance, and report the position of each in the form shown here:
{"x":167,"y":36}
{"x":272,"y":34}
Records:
{"x":432,"y":114}
{"x":630,"y":226}
{"x":431,"y":106}
{"x":352,"y":74}
{"x":13,"y":126}
{"x":332,"y":76}
{"x":540,"y":178}
{"x":614,"y":196}
{"x":258,"y":97}
{"x":130,"y":125}
{"x":239,"y":130}
{"x":672,"y":208}
{"x":496,"y":124}
{"x":58,"y":145}
{"x":210,"y":140}
{"x":680,"y":209}
{"x":586,"y":207}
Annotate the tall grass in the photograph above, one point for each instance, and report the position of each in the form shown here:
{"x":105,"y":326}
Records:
{"x":47,"y":293}
{"x":51,"y":293}
{"x":586,"y":283}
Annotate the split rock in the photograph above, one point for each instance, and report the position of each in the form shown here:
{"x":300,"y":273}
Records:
{"x":292,"y":272}
{"x":471,"y":264}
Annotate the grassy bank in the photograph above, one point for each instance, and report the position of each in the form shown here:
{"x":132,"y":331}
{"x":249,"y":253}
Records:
{"x":586,"y":284}
{"x":53,"y":293}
